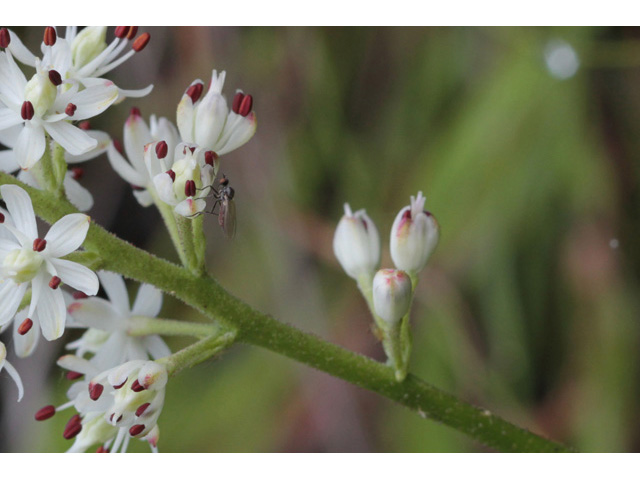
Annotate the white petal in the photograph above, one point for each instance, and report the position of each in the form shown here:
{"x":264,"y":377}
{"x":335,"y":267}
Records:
{"x":141,"y":92}
{"x":21,"y":52}
{"x":9,"y":118}
{"x":10,"y":297}
{"x":67,"y":234}
{"x":51,"y":311}
{"x":8,"y":161}
{"x":9,"y":136}
{"x":77,"y":364}
{"x":156,"y":346}
{"x":124,"y":169}
{"x":30,"y":145}
{"x":148,"y":302}
{"x":116,"y":290}
{"x":72,"y":139}
{"x":77,"y":276}
{"x":25,"y":344}
{"x":12,"y":80}
{"x":189,"y":207}
{"x":185,"y":116}
{"x":96,"y":313}
{"x":211,"y":116}
{"x":103,"y":140}
{"x":136,"y":136}
{"x":164,"y":187}
{"x":94,"y":100}
{"x":13,"y":373}
{"x":77,"y":194}
{"x":143,"y":197}
{"x":21,"y":210}
{"x":237,"y":136}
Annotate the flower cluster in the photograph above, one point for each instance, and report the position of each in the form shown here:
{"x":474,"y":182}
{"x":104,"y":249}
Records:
{"x":389,"y":292}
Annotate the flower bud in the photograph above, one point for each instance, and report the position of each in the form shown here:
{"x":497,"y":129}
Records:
{"x":356,"y":243}
{"x":391,"y":295}
{"x":414,"y":235}
{"x":87,"y":45}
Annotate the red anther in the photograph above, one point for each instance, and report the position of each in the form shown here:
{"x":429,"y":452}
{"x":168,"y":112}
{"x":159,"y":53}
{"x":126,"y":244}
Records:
{"x":49,"y":36}
{"x":78,"y":295}
{"x":77,"y":173}
{"x":5,"y":38}
{"x":172,"y":174}
{"x":210,"y":156}
{"x":136,"y":387}
{"x":190,"y":188}
{"x":118,"y":146}
{"x":54,"y":77}
{"x":136,"y":430}
{"x":141,"y":42}
{"x":118,"y":387}
{"x":135,"y":112}
{"x":121,"y":32}
{"x":95,"y":390}
{"x":27,"y":111}
{"x":70,"y":110}
{"x":246,"y":105}
{"x":194,"y":91}
{"x":73,"y":427}
{"x":162,"y":149}
{"x":54,"y":282}
{"x":237,"y":100}
{"x":102,"y":449}
{"x":137,"y":188}
{"x":132,"y":32}
{"x":45,"y":413}
{"x":1,"y":217}
{"x":407,"y":214}
{"x":71,"y":375}
{"x":25,"y":326}
{"x":142,"y":408}
{"x":84,"y":125}
{"x":39,"y":244}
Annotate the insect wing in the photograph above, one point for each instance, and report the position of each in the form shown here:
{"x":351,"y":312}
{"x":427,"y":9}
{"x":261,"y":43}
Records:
{"x":227,"y":217}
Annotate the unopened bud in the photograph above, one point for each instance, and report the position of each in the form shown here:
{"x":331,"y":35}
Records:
{"x":356,"y":243}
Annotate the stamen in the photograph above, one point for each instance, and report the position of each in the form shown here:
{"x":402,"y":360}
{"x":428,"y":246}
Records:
{"x":190,"y":188}
{"x":27,"y":111}
{"x":118,"y":387}
{"x":172,"y":174}
{"x":246,"y":105}
{"x":102,"y":449}
{"x":39,"y":244}
{"x":54,"y":282}
{"x":78,"y":295}
{"x":70,"y":110}
{"x":142,"y":408}
{"x":45,"y":413}
{"x":162,"y":149}
{"x":407,"y":214}
{"x":25,"y":326}
{"x":84,"y":125}
{"x":136,"y":387}
{"x":95,"y":391}
{"x":210,"y":156}
{"x":141,"y":42}
{"x":132,"y":32}
{"x":54,"y":77}
{"x":77,"y":173}
{"x":135,"y":112}
{"x":136,"y":430}
{"x":121,"y":32}
{"x":73,"y":427}
{"x":1,"y":217}
{"x":195,"y":91}
{"x":50,"y":36}
{"x":237,"y":100}
{"x":5,"y":38}
{"x":71,"y":375}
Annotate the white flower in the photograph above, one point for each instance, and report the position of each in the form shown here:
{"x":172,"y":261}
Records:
{"x":414,"y":235}
{"x":182,"y":185}
{"x":109,"y":321}
{"x":40,"y":106}
{"x":136,"y":136}
{"x":13,"y":373}
{"x":84,"y":57}
{"x":208,"y":122}
{"x":356,"y":243}
{"x":391,"y":295}
{"x":26,"y":259}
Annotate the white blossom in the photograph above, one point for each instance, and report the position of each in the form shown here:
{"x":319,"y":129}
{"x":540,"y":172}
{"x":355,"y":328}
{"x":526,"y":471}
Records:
{"x":356,"y":243}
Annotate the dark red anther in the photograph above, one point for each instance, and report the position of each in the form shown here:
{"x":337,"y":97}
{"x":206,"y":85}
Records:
{"x":77,"y":173}
{"x":55,"y":78}
{"x":84,"y":125}
{"x":118,"y":387}
{"x":142,"y":408}
{"x":78,"y":295}
{"x":162,"y":149}
{"x":54,"y":282}
{"x":195,"y":91}
{"x":132,"y":32}
{"x":95,"y":390}
{"x":50,"y":36}
{"x":246,"y":105}
{"x":45,"y":413}
{"x":237,"y":100}
{"x":118,"y":146}
{"x":135,"y":112}
{"x":39,"y":244}
{"x":172,"y":174}
{"x":1,"y":217}
{"x":136,"y":387}
{"x":189,"y":188}
{"x":191,"y":149}
{"x":102,"y":449}
{"x":27,"y":111}
{"x":71,"y":375}
{"x":25,"y":326}
{"x":73,"y":427}
{"x":70,"y":110}
{"x":5,"y":38}
{"x":121,"y":32}
{"x":141,"y":42}
{"x":407,"y":214}
{"x":136,"y":430}
{"x":210,"y":157}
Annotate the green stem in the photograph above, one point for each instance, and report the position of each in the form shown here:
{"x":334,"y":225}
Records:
{"x":198,"y":352}
{"x":256,"y":328}
{"x":185,"y":232}
{"x":141,"y":326}
{"x":166,"y":211}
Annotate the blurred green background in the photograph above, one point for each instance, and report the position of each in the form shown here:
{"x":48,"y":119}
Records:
{"x":529,"y":305}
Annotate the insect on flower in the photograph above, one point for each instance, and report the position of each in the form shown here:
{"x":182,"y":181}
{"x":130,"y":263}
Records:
{"x":227,"y":213}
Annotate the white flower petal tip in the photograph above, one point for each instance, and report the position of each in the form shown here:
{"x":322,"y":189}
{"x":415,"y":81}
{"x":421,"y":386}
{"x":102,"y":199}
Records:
{"x":356,"y":243}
